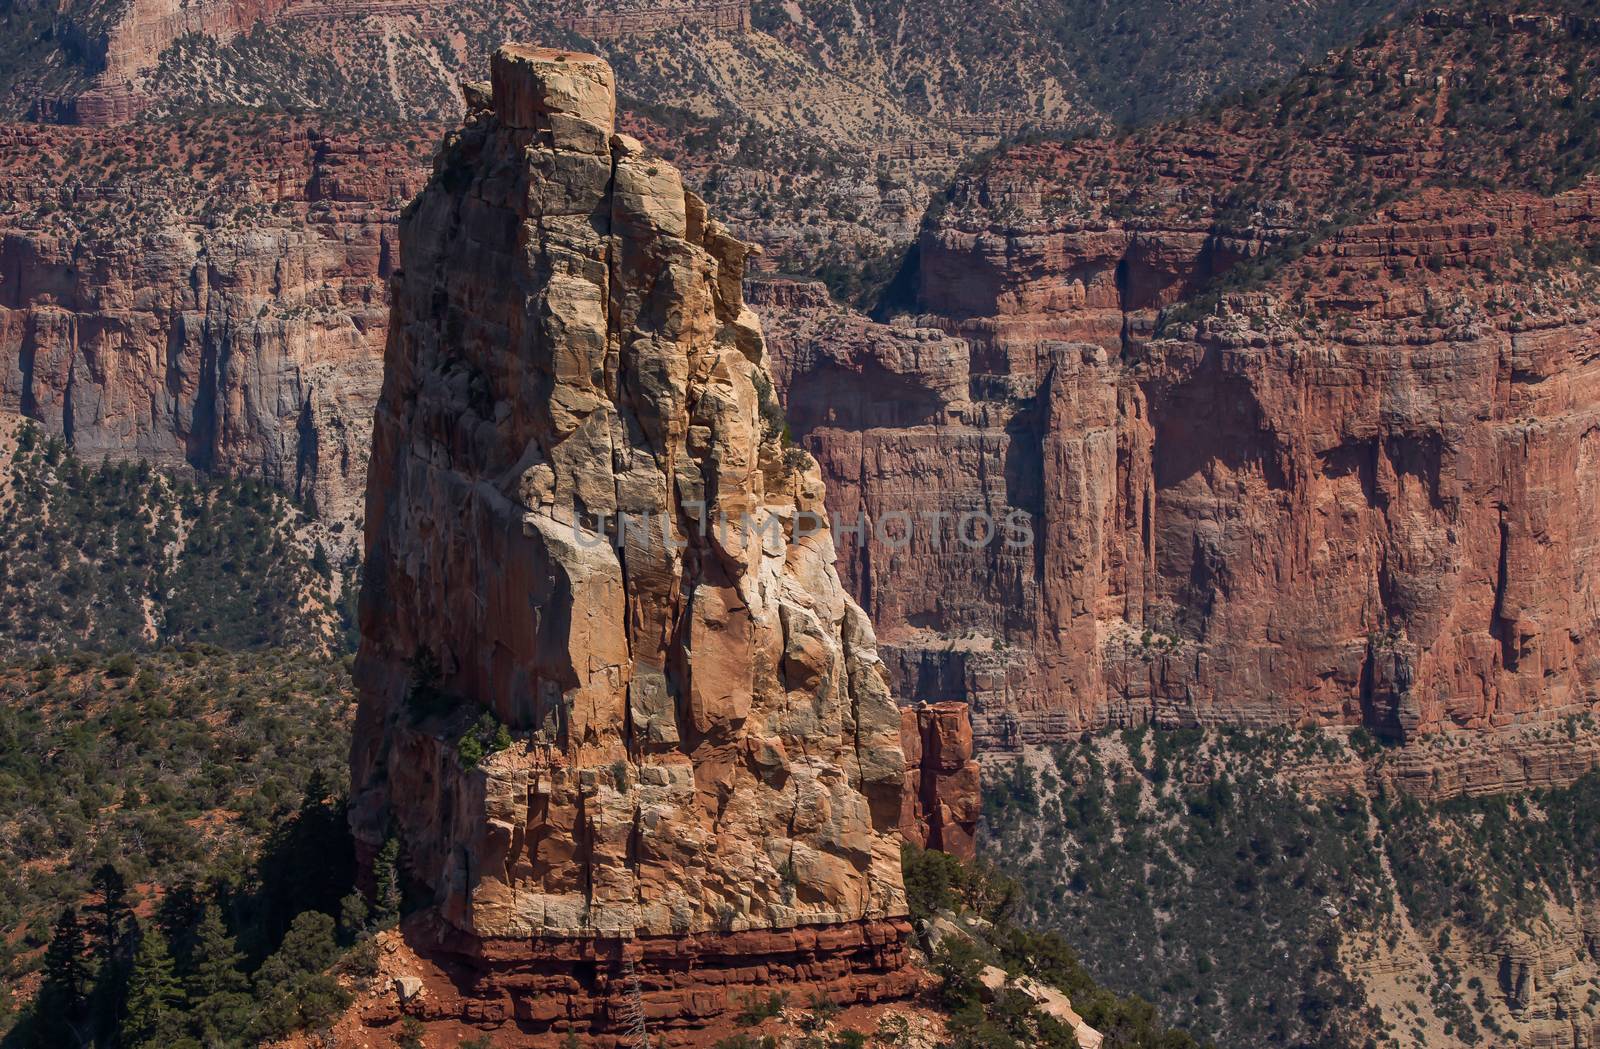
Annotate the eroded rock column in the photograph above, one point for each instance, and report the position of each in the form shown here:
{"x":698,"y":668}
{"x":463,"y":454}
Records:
{"x":587,"y":539}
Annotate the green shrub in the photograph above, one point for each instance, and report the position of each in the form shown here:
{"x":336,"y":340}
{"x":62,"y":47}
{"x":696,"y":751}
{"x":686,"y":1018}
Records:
{"x":754,"y":1008}
{"x":486,"y":736}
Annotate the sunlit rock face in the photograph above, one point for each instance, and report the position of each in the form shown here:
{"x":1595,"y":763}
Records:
{"x":582,"y":519}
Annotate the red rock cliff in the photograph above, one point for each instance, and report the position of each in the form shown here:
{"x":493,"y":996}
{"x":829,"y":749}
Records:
{"x":1361,"y":493}
{"x":226,"y":312}
{"x":583,"y":532}
{"x":943,"y":797}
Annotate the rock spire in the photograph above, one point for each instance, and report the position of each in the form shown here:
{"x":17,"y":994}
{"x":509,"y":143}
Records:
{"x":614,"y":697}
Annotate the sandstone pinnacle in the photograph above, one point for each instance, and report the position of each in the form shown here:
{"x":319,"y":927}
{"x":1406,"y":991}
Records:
{"x":609,"y":690}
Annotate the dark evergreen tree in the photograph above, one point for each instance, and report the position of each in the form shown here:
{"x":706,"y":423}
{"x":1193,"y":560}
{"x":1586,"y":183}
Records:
{"x":309,"y":947}
{"x":112,"y":914}
{"x":386,"y":879}
{"x":219,"y":997}
{"x":179,"y":917}
{"x":308,"y":864}
{"x":320,"y":563}
{"x":156,"y":1001}
{"x":63,"y":994}
{"x":113,"y":946}
{"x":353,"y":915}
{"x":293,"y":988}
{"x":317,"y":791}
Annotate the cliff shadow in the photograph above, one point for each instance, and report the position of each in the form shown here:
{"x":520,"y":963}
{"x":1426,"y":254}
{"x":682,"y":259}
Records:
{"x":866,"y":398}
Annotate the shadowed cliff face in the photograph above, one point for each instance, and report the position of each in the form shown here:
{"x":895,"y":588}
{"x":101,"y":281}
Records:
{"x":1356,"y":488}
{"x":701,"y":735}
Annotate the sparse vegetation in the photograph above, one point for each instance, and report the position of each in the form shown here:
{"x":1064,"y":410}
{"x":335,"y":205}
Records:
{"x":754,"y":1009}
{"x":486,"y":736}
{"x":211,"y":796}
{"x":1010,"y":1019}
{"x":1169,"y":858}
{"x":121,"y":556}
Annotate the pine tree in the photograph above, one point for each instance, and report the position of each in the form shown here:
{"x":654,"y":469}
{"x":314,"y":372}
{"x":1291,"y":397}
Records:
{"x":317,"y":791}
{"x":219,"y":994}
{"x":320,"y":563}
{"x":353,"y":914}
{"x":310,"y":947}
{"x":155,"y":996}
{"x":113,"y":920}
{"x":386,"y":876}
{"x":179,"y":915}
{"x":63,"y":992}
{"x":308,"y":863}
{"x":112,"y":913}
{"x":293,"y":987}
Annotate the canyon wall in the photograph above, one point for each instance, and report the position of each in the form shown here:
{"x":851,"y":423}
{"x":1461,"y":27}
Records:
{"x":132,"y":44}
{"x":1354,"y":495}
{"x":1256,"y":525}
{"x":1357,"y":493}
{"x":228,"y":318}
{"x":123,"y":55}
{"x":137,"y":39}
{"x":617,"y":708}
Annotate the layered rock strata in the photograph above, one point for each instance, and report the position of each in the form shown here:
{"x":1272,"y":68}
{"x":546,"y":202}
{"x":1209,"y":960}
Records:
{"x":1373,"y":521}
{"x":709,"y":18}
{"x":1359,"y":494}
{"x":585,"y":538}
{"x":1261,"y":525}
{"x":691,"y":986}
{"x":121,"y":46}
{"x":227,"y":316}
{"x":1458,"y":763}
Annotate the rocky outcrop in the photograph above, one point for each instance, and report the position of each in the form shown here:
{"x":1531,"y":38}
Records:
{"x":227,"y":317}
{"x":687,"y":983}
{"x":355,"y":10}
{"x":1543,"y":976}
{"x":996,"y":982}
{"x":943,"y":796}
{"x":586,"y":540}
{"x":1445,"y":764}
{"x":133,"y":43}
{"x":137,"y":39}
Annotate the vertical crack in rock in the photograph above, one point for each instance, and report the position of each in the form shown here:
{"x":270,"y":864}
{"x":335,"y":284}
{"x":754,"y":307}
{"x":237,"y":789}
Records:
{"x":584,"y":535}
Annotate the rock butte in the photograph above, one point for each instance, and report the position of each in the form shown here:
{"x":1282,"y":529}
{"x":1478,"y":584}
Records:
{"x":1262,"y":502}
{"x":706,"y":772}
